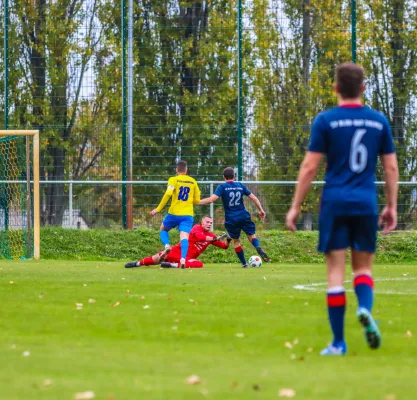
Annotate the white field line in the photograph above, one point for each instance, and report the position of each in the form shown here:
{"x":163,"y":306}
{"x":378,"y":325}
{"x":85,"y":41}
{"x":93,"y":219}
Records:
{"x":322,"y":286}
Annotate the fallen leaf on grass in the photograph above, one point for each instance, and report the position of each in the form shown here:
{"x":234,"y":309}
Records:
{"x":288,"y":345}
{"x":268,"y":302}
{"x":116,"y":304}
{"x":91,"y":301}
{"x":256,"y":387}
{"x":286,"y":393}
{"x":193,"y":380}
{"x":11,"y":282}
{"x":405,"y":274}
{"x":47,"y":382}
{"x":295,"y":341}
{"x":310,"y":349}
{"x":409,"y":334}
{"x":84,"y":395}
{"x":26,"y":353}
{"x":240,"y":335}
{"x":146,"y":307}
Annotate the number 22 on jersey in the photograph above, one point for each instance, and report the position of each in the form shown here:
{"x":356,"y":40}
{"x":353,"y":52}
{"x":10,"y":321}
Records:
{"x":234,"y":198}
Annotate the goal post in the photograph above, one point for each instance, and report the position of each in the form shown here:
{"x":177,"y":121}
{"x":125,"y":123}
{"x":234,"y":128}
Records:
{"x":19,"y":194}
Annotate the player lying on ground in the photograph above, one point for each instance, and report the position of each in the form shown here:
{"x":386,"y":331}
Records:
{"x":184,"y":193}
{"x":237,"y":218}
{"x":200,"y":238}
{"x":351,"y":136}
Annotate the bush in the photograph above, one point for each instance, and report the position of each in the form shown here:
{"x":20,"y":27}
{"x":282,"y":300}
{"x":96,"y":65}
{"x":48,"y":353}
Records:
{"x":282,"y":246}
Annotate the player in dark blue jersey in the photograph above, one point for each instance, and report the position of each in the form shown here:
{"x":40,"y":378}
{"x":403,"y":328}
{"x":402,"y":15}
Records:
{"x":237,"y":218}
{"x":352,"y":137}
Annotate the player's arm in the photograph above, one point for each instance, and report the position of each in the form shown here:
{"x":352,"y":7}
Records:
{"x":258,"y":205}
{"x":209,"y":200}
{"x":197,"y":194}
{"x":388,"y":216}
{"x":165,"y":198}
{"x":202,"y":237}
{"x":221,"y":244}
{"x":308,"y":171}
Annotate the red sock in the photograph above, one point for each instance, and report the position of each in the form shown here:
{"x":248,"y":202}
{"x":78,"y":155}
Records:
{"x":193,"y":264}
{"x":147,"y":261}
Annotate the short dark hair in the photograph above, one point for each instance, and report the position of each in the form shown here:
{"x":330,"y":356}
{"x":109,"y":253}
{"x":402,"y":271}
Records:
{"x":229,"y":173}
{"x":349,"y":80}
{"x":182,"y":166}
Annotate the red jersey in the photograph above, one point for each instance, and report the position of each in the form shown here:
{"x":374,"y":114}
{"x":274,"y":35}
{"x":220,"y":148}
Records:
{"x":196,"y":244}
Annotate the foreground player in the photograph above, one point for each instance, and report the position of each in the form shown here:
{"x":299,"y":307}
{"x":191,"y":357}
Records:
{"x":184,"y":193}
{"x":237,"y":218}
{"x":351,"y":136}
{"x":200,"y":238}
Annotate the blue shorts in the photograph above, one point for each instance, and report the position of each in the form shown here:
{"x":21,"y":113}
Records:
{"x":358,"y":232}
{"x":184,"y":222}
{"x":234,"y":227}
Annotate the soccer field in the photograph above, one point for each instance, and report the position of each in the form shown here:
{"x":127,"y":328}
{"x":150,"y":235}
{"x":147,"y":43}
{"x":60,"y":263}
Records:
{"x":246,"y":333}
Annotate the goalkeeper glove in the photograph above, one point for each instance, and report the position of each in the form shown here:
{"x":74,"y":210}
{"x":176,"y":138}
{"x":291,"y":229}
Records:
{"x":220,"y":237}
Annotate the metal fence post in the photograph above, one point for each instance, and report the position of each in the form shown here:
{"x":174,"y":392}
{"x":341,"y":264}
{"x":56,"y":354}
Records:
{"x":353,"y":22}
{"x":212,"y":207}
{"x":70,"y":204}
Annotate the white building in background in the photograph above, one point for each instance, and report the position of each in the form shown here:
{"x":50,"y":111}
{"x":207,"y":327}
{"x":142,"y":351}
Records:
{"x":76,"y":222}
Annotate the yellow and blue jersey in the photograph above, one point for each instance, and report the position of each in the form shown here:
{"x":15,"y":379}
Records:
{"x":184,"y":193}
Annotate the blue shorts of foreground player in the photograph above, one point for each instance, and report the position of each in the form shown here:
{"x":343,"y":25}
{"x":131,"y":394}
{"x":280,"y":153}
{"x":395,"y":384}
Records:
{"x":358,"y":232}
{"x":184,"y":222}
{"x":235,"y":226}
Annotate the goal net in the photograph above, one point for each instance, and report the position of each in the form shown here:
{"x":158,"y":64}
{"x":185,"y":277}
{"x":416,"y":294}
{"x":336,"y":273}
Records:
{"x":19,"y":194}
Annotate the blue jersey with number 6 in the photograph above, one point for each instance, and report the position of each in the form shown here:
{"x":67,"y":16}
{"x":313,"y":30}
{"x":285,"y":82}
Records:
{"x":352,"y":137}
{"x":232,"y":193}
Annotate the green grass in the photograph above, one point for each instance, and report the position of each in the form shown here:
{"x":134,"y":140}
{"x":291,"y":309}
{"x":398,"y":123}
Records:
{"x":131,"y":352}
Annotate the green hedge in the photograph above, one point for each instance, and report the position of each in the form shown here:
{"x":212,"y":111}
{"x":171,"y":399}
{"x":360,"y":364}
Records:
{"x":283,"y":246}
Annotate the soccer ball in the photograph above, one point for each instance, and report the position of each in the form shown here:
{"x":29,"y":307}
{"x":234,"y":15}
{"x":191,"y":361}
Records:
{"x":255,"y":261}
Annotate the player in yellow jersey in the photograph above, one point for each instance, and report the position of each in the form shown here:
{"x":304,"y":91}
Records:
{"x":184,"y":193}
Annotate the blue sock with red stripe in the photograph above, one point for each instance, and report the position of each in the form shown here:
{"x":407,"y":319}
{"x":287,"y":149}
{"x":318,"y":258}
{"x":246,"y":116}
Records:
{"x":336,"y":305}
{"x":241,"y":255}
{"x":364,"y":289}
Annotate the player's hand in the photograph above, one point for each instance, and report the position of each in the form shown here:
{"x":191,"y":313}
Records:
{"x":388,"y":220}
{"x":291,"y":218}
{"x":153,"y":212}
{"x":262,"y":214}
{"x":220,"y":237}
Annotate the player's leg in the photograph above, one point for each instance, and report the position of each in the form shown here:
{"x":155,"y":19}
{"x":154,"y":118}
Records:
{"x":255,"y":243}
{"x":363,"y":236}
{"x":233,"y":230}
{"x":336,"y":301}
{"x":193,"y":263}
{"x":239,"y":252}
{"x":164,"y":235}
{"x":171,"y":261}
{"x":153,"y":260}
{"x":333,"y":241}
{"x":185,"y":227}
